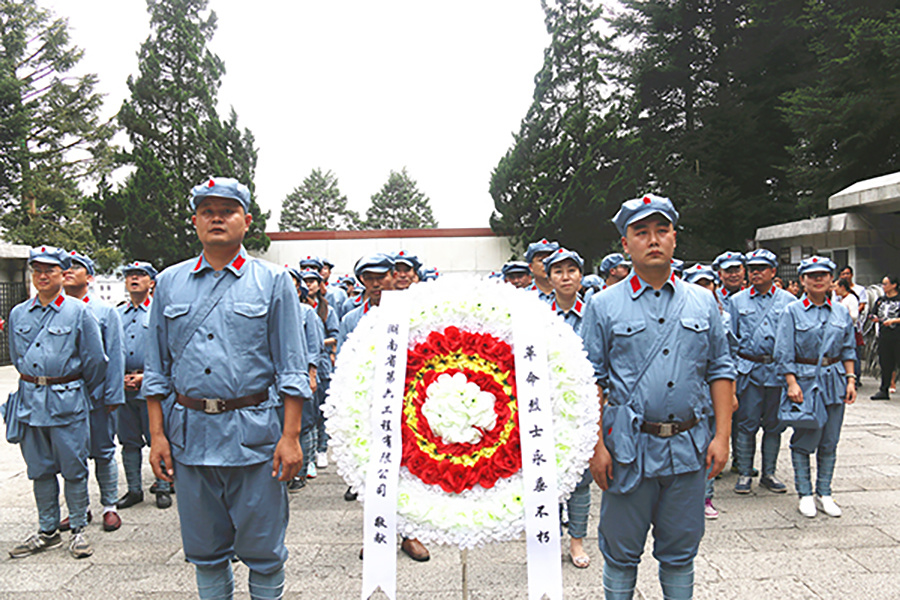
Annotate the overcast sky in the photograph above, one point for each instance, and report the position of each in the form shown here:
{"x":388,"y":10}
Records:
{"x":357,"y":87}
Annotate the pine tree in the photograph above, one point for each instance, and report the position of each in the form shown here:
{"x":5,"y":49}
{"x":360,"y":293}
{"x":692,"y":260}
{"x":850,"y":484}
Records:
{"x":51,"y":137}
{"x":177,"y":136}
{"x":567,"y":157}
{"x":846,"y":118}
{"x":400,"y":205}
{"x":702,"y":80}
{"x":317,"y":205}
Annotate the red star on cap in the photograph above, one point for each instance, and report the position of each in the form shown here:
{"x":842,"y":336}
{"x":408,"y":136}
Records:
{"x":212,"y":183}
{"x":646,"y":199}
{"x":401,"y":253}
{"x":815,"y":260}
{"x":43,"y":249}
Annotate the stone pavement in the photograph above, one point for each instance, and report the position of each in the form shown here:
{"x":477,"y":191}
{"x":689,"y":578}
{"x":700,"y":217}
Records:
{"x":760,"y":547}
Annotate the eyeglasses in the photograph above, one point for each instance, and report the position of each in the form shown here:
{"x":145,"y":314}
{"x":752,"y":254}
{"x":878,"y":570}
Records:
{"x":752,"y":268}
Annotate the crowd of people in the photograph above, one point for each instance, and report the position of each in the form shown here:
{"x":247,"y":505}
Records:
{"x":199,"y":365}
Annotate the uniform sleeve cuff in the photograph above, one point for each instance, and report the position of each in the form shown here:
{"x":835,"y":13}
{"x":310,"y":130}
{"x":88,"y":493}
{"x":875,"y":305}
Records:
{"x":155,"y":384}
{"x":293,"y":384}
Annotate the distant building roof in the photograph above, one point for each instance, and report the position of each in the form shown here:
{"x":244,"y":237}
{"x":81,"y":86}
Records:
{"x":878,"y":195}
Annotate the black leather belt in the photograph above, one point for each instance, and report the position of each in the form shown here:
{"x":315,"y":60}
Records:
{"x":214,"y":406}
{"x":41,"y":380}
{"x":764,"y":359}
{"x":826,"y":360}
{"x":665,"y":430}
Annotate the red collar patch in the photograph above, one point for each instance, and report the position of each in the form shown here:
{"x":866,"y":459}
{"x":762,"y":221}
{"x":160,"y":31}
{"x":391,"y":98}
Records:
{"x":59,"y":300}
{"x":238,"y":262}
{"x":85,"y":299}
{"x":199,"y":263}
{"x":146,"y":301}
{"x":635,"y":283}
{"x":806,"y":303}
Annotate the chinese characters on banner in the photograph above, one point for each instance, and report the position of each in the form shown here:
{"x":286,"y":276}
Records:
{"x":380,"y":525}
{"x":541,"y":498}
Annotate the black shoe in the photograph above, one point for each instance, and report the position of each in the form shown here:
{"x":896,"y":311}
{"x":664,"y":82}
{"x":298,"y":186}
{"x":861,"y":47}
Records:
{"x":163,"y":500}
{"x":296,"y":484}
{"x":880,"y":395}
{"x":154,"y":489}
{"x":130,"y":499}
{"x":350,"y":495}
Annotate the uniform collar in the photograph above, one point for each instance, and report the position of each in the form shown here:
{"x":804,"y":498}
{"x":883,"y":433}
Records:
{"x":236,"y":266}
{"x":754,"y":293}
{"x":725,"y":293}
{"x":145,"y":305}
{"x":807,"y":303}
{"x":638,"y":285}
{"x":55,"y":305}
{"x":366,"y":306}
{"x":577,"y":308}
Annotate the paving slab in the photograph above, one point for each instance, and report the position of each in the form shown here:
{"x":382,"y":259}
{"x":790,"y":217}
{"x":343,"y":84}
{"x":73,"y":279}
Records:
{"x":760,"y":547}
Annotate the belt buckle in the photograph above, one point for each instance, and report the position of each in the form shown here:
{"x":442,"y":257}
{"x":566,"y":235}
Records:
{"x":666,"y":430}
{"x":42,"y":380}
{"x":213,"y":406}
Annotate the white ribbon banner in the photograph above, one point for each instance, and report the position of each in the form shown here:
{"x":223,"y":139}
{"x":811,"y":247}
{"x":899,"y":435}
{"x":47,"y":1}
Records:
{"x":380,"y":507}
{"x":538,"y":460}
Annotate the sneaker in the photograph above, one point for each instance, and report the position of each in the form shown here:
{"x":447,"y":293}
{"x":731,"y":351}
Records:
{"x":807,"y":507}
{"x":828,"y":506}
{"x":743,"y":485}
{"x":296,"y":484}
{"x":79,"y":547}
{"x":709,"y":511}
{"x":322,"y":460}
{"x":36,"y":542}
{"x":771,"y":483}
{"x":311,"y":470}
{"x":880,"y":395}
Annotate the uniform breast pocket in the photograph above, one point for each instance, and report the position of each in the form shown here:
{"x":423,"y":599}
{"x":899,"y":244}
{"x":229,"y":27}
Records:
{"x":249,"y":324}
{"x":60,"y":340}
{"x":695,"y":337}
{"x":626,"y":345}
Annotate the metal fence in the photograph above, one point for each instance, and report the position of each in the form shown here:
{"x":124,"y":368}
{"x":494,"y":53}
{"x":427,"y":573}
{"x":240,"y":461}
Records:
{"x":11,"y":293}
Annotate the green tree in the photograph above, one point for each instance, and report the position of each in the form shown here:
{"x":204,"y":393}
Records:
{"x":178,"y":138}
{"x":51,"y":137}
{"x":847,"y":117}
{"x":702,"y":80}
{"x":567,"y":157}
{"x":400,"y":205}
{"x":317,"y":205}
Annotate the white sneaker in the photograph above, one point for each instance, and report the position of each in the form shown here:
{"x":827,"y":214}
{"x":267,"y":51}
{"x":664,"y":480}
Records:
{"x":807,"y":507}
{"x":311,"y":470}
{"x":828,"y":506}
{"x":322,"y":460}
